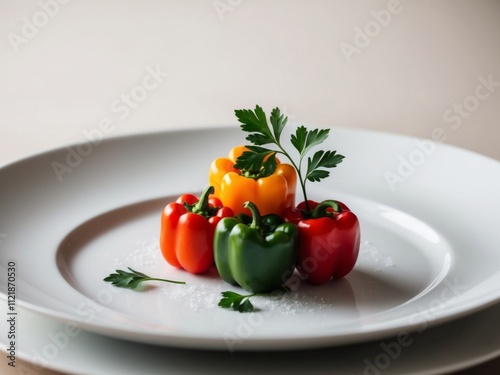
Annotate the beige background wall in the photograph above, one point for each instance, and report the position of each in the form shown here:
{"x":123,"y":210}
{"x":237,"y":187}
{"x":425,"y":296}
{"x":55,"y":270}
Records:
{"x":401,"y":66}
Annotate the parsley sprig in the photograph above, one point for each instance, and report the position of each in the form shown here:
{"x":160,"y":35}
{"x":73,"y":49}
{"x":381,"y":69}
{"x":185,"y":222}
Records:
{"x":236,"y":301}
{"x":131,"y":280}
{"x":241,"y":302}
{"x":261,"y":161}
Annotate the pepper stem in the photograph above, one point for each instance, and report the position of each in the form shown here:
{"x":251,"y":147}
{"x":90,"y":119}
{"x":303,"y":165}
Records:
{"x":202,"y":207}
{"x":321,"y":209}
{"x":256,"y":218}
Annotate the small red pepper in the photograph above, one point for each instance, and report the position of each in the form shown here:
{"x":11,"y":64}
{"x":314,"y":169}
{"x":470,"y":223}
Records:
{"x":187,"y":231}
{"x":329,"y":239}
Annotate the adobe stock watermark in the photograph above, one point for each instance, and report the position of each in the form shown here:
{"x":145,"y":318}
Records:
{"x":31,"y":26}
{"x":455,"y":116}
{"x":470,"y":104}
{"x":248,"y":323}
{"x":57,"y":342}
{"x":120,"y":109}
{"x":392,"y":350}
{"x":381,"y":19}
{"x":221,"y":7}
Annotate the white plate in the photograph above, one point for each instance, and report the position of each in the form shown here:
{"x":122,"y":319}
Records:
{"x":429,"y":251}
{"x":450,"y":347}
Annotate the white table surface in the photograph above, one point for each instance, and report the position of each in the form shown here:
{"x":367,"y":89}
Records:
{"x":419,"y":68}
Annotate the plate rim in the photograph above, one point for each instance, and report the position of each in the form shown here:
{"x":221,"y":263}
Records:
{"x":460,"y":312}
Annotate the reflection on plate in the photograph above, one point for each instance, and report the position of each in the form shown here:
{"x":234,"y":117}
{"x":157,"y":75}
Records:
{"x":418,"y":263}
{"x":443,"y":349}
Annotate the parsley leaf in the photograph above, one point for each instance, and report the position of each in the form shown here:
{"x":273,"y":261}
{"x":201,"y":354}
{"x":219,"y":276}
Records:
{"x":322,"y":159}
{"x":278,"y":121}
{"x":261,"y":162}
{"x":304,"y":140}
{"x":236,"y":301}
{"x":257,"y":162}
{"x":241,"y":303}
{"x":255,"y":122}
{"x":131,"y":280}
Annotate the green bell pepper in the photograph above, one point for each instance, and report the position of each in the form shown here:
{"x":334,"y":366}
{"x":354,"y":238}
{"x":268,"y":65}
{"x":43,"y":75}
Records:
{"x":257,"y":253}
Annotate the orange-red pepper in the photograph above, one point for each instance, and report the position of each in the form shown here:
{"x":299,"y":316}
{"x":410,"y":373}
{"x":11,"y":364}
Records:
{"x":271,"y":194}
{"x":187,"y":231}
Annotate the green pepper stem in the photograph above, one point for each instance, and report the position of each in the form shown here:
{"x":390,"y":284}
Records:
{"x":256,"y":218}
{"x":321,"y":209}
{"x":202,"y":207}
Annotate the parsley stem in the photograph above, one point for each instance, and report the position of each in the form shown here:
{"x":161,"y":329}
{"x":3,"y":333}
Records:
{"x":132,"y":278}
{"x":261,"y":133}
{"x":299,"y":174}
{"x":165,"y":280}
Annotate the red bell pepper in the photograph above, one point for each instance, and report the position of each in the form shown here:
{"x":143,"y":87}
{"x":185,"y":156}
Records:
{"x":187,"y":231}
{"x":329,"y":239}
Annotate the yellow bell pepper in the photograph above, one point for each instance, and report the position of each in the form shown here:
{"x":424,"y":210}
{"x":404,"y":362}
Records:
{"x":270,"y":194}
